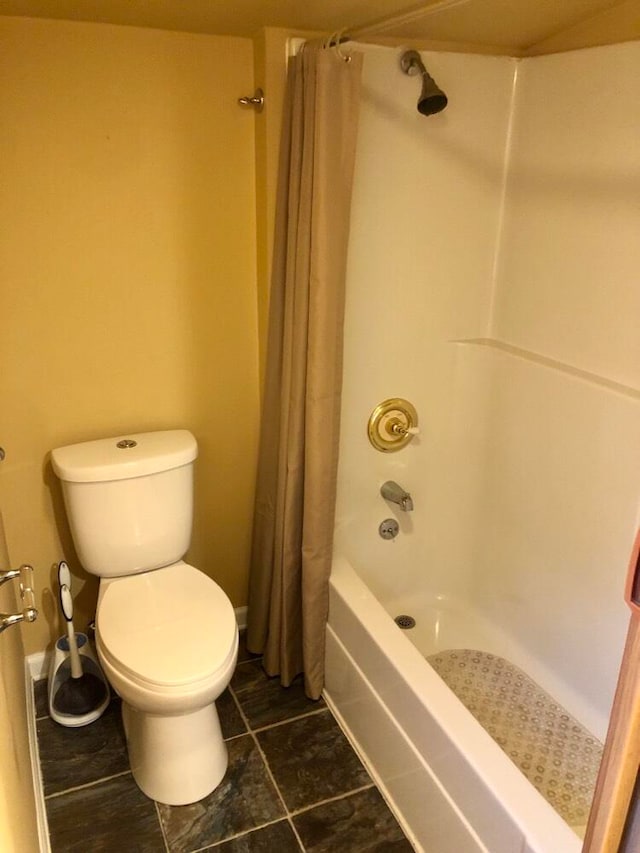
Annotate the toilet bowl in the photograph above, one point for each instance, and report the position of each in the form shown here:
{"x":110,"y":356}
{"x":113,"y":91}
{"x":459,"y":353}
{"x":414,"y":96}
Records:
{"x":168,"y":643}
{"x":166,"y":633}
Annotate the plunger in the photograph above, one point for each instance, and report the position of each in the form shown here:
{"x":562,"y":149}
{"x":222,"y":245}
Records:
{"x":82,"y":692}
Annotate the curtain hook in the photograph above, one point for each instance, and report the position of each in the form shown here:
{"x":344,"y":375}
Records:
{"x":337,"y":46}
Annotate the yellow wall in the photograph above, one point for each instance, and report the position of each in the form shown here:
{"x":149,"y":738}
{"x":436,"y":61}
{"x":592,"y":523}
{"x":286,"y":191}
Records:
{"x":127,"y":257}
{"x":270,"y":62}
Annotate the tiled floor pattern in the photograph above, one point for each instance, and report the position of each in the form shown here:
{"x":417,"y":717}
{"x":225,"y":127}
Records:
{"x":553,"y":750}
{"x":294,"y":783}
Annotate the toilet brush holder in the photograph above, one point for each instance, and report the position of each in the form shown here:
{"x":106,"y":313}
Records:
{"x":60,"y":672}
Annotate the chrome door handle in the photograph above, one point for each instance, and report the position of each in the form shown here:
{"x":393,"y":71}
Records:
{"x":27,"y":594}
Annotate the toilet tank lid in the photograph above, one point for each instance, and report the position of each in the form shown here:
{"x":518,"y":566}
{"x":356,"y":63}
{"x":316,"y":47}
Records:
{"x":124,"y":456}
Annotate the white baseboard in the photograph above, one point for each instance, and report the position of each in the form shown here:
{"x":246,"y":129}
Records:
{"x":38,"y":664}
{"x":241,"y":617}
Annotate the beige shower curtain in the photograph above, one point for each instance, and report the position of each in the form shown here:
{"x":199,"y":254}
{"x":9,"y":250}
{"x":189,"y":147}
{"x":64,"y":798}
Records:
{"x":295,"y":499}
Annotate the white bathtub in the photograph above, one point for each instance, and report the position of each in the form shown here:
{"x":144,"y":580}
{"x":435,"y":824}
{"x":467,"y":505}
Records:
{"x":450,"y":784}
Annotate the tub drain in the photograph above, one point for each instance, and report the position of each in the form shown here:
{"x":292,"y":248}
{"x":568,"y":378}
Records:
{"x":404,"y":621}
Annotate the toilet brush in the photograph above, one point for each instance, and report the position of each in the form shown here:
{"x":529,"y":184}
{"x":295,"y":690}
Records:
{"x":80,"y":692}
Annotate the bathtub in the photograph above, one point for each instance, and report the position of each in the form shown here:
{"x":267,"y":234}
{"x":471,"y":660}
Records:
{"x":449,"y":783}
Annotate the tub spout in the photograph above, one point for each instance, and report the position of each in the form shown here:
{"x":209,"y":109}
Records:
{"x":391,"y":491}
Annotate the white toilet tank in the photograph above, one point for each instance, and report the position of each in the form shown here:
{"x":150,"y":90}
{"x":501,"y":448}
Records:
{"x":129,"y":499}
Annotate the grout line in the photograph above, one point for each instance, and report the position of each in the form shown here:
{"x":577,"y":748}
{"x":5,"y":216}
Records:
{"x":240,"y":711}
{"x":87,"y":785}
{"x":335,"y":799}
{"x":249,"y":660}
{"x":235,"y":737}
{"x":267,"y":768}
{"x":234,"y":692}
{"x":293,"y":813}
{"x":313,"y":713}
{"x":277,"y":787}
{"x":164,"y":835}
{"x":239,"y":707}
{"x":242,"y":834}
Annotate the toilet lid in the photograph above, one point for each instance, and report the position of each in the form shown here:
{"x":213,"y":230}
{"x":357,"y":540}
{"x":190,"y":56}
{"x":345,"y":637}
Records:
{"x":172,"y":626}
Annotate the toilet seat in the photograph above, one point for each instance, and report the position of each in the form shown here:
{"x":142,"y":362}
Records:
{"x":167,"y":629}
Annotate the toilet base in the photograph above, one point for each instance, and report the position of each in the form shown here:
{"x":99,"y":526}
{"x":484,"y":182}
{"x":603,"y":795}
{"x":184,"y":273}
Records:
{"x":175,"y":759}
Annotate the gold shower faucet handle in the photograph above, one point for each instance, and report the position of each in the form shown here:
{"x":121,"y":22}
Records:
{"x":392,"y":425}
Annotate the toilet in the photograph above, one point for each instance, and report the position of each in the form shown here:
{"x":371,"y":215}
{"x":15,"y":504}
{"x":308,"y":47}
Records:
{"x":166,"y":634}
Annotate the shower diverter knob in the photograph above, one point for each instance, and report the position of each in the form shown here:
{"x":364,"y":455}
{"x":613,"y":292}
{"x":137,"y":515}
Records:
{"x":392,"y":425}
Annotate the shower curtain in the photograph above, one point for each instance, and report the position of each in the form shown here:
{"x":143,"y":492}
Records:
{"x":295,"y":497}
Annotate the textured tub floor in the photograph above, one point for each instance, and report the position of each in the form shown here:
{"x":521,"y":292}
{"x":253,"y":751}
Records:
{"x":552,"y":749}
{"x":293,"y":783}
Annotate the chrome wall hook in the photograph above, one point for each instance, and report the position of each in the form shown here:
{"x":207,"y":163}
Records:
{"x":257,"y":101}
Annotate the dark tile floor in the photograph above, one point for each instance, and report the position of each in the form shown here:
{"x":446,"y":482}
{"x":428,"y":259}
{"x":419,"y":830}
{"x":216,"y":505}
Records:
{"x":294,"y":783}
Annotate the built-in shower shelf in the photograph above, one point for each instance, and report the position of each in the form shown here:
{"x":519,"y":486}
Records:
{"x":553,"y":364}
{"x":550,"y":747}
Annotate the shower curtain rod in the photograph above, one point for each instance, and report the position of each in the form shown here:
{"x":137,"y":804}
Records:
{"x":345,"y":35}
{"x":424,"y":10}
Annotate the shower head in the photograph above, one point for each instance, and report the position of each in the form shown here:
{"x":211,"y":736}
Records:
{"x":432,"y":99}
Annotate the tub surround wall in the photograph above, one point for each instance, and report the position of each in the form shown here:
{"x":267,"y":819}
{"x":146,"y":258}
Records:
{"x":570,"y":255}
{"x":559,"y":501}
{"x":560,"y":486}
{"x":517,"y":460}
{"x":128,"y":266}
{"x":425,"y":221}
{"x":492,"y":264}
